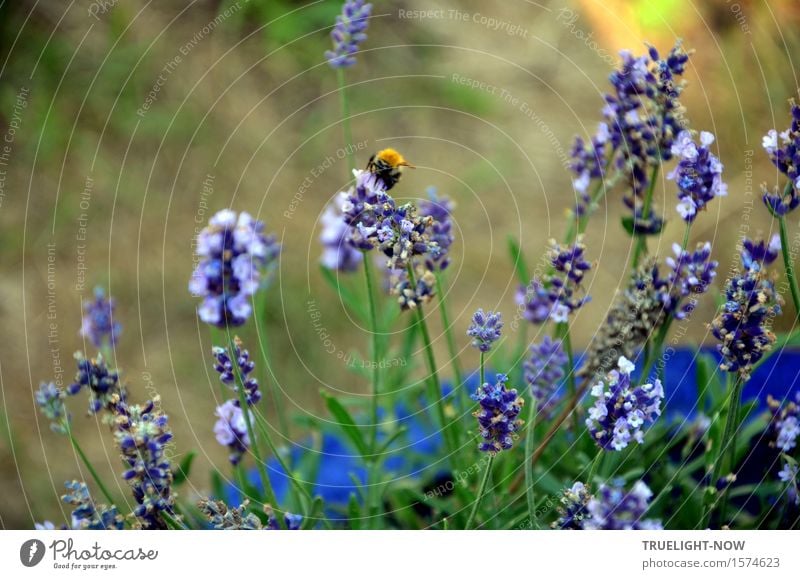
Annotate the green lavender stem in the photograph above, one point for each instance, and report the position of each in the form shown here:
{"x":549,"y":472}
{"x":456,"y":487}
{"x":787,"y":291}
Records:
{"x":529,"y":483}
{"x":87,"y":463}
{"x":791,"y":276}
{"x":345,"y":106}
{"x":727,"y":443}
{"x":265,"y":367}
{"x":262,"y":471}
{"x":641,"y":240}
{"x":481,"y":492}
{"x":448,"y":332}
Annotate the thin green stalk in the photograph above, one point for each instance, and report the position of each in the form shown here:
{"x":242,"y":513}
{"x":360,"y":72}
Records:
{"x":483,"y":368}
{"x":448,"y":332}
{"x":345,"y":106}
{"x":529,"y":442}
{"x":562,"y":331}
{"x":262,"y":471}
{"x":434,"y":387}
{"x":791,"y":276}
{"x":481,"y":491}
{"x":373,"y":321}
{"x":265,"y":369}
{"x":372,"y":498}
{"x":727,"y":442}
{"x":598,"y":460}
{"x":641,"y":240}
{"x":88,"y":464}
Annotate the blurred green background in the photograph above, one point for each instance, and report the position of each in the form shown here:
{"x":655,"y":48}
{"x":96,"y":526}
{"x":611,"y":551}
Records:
{"x":126,"y":124}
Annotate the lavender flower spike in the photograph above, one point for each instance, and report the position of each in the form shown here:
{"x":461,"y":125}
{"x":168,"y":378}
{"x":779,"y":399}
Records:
{"x":50,"y":399}
{"x":337,"y":253}
{"x":87,"y":515}
{"x":498,"y":422}
{"x":233,"y":252}
{"x":231,"y":430}
{"x":784,"y":151}
{"x":623,"y":409}
{"x":698,"y":174}
{"x":572,"y":511}
{"x":785,"y":423}
{"x":612,"y":508}
{"x":544,"y":370}
{"x":485,"y":329}
{"x":142,"y":435}
{"x":228,"y":374}
{"x":348,"y":33}
{"x":98,"y":324}
{"x":743,"y":324}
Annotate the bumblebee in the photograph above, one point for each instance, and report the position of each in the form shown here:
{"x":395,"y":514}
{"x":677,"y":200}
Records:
{"x":387,"y":165}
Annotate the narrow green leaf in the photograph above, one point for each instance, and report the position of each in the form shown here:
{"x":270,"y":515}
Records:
{"x":346,"y":423}
{"x":182,"y":472}
{"x":518,"y":259}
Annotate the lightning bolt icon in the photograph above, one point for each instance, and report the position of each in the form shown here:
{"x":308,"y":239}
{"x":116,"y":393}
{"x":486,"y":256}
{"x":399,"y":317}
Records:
{"x":34,"y":549}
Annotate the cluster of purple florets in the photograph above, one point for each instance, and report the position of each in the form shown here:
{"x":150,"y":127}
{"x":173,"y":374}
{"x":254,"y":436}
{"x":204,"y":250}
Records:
{"x":497,"y":414}
{"x":102,"y":383}
{"x":98,"y":324}
{"x":485,"y":329}
{"x":560,"y":293}
{"x":348,"y":33}
{"x":233,"y":251}
{"x":544,"y":371}
{"x":142,"y":435}
{"x":784,"y":151}
{"x":622,"y":409}
{"x":614,"y":508}
{"x":642,"y":117}
{"x":400,"y":232}
{"x":698,"y":174}
{"x":231,"y":426}
{"x":88,"y":515}
{"x":743,"y":324}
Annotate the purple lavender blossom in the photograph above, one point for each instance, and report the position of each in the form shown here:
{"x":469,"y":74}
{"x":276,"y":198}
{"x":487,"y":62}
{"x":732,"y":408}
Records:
{"x":87,"y":515}
{"x":223,"y":517}
{"x":399,"y":232}
{"x":690,"y":273}
{"x":785,"y":155}
{"x":498,"y":422}
{"x":228,"y":374}
{"x":440,"y":209}
{"x":698,"y":174}
{"x":642,"y":116}
{"x":743,"y":324}
{"x":234,"y":251}
{"x":789,"y":475}
{"x":572,"y":511}
{"x":759,"y":254}
{"x":544,"y":370}
{"x":348,"y":33}
{"x":612,"y":508}
{"x":50,"y":399}
{"x":230,"y":430}
{"x":142,"y":434}
{"x":337,"y":253}
{"x":623,"y":409}
{"x":534,"y":300}
{"x":98,"y":324}
{"x":103,"y":384}
{"x":485,"y":329}
{"x":558,"y":294}
{"x":785,"y":423}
